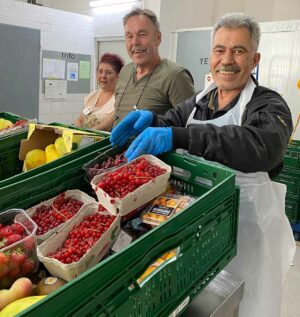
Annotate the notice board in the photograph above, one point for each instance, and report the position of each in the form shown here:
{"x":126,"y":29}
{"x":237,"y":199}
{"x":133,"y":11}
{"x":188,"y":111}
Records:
{"x":78,"y":84}
{"x":19,"y":70}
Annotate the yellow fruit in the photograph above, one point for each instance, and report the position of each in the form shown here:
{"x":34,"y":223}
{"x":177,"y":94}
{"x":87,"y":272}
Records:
{"x":51,"y":153}
{"x":5,"y":124}
{"x":17,"y":306}
{"x":60,"y":146}
{"x":35,"y":158}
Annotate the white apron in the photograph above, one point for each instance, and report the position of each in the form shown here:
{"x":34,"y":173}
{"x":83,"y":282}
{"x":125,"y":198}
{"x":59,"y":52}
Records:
{"x":266,"y":245}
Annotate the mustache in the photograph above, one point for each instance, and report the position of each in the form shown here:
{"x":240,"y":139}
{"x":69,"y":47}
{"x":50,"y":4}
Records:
{"x":137,"y":48}
{"x":228,"y":68}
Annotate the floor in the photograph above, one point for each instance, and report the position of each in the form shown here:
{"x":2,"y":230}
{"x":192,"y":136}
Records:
{"x":291,"y":302}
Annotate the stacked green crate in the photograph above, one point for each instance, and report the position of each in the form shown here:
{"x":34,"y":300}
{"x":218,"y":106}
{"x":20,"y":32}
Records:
{"x":205,"y":235}
{"x":9,"y":155}
{"x":11,"y":166}
{"x":18,"y":128}
{"x":290,"y":176}
{"x":11,"y":117}
{"x":9,"y":147}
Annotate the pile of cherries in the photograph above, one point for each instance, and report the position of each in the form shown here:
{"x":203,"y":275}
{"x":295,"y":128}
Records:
{"x":82,"y":237}
{"x":62,"y":209}
{"x":128,"y":178}
{"x":110,"y":162}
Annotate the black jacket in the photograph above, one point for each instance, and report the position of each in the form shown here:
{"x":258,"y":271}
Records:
{"x":259,"y":144}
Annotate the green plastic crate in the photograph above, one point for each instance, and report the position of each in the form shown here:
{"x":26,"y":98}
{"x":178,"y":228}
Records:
{"x":205,"y":234}
{"x":292,"y":208}
{"x":292,"y":155}
{"x":31,"y":190}
{"x":11,"y":166}
{"x":13,"y":118}
{"x":73,"y":126}
{"x":291,"y":178}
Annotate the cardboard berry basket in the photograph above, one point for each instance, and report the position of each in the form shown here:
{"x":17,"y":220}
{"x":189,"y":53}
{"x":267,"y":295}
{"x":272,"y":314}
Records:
{"x":137,"y":198}
{"x":89,"y":259}
{"x":74,"y":193}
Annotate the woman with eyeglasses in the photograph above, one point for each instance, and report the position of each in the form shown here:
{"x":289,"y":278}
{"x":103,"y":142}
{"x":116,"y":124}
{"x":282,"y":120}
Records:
{"x":98,"y":112}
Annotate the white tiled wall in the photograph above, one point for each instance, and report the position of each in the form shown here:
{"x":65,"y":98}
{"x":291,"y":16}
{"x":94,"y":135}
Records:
{"x":60,"y":31}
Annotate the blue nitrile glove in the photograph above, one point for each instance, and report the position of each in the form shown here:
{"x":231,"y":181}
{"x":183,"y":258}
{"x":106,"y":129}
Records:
{"x":133,"y":124}
{"x":151,"y":141}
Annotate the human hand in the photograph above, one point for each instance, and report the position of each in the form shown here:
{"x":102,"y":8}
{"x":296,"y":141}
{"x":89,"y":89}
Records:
{"x":151,"y":141}
{"x":133,"y":124}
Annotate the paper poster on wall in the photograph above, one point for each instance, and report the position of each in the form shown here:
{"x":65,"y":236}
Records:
{"x":55,"y":88}
{"x":53,"y":68}
{"x":84,"y":69}
{"x":72,"y":71}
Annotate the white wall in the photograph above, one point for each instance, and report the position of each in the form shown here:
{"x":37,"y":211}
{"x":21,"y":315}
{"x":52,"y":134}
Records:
{"x":178,"y":14}
{"x":60,"y":31}
{"x":64,"y":31}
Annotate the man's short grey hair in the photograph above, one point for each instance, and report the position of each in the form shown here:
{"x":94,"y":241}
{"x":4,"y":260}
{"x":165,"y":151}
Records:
{"x":145,"y":12}
{"x":239,"y":20}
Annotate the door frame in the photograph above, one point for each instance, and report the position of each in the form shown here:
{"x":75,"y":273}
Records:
{"x":97,"y":43}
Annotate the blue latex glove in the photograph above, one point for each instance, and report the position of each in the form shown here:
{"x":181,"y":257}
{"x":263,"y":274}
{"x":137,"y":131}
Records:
{"x":133,"y":124}
{"x":151,"y":141}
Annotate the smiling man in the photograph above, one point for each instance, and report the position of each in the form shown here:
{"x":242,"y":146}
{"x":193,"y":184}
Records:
{"x":245,"y":126}
{"x":149,"y":81}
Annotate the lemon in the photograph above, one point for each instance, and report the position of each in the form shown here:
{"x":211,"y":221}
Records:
{"x":60,"y":146}
{"x":51,"y":153}
{"x":5,"y":124}
{"x":17,"y":306}
{"x":35,"y":158}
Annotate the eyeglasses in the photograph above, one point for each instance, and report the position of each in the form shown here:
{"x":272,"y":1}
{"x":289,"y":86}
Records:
{"x":104,"y":72}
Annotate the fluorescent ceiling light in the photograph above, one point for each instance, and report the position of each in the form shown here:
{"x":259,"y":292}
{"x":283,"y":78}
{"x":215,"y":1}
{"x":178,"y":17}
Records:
{"x":103,"y":3}
{"x":113,"y":9}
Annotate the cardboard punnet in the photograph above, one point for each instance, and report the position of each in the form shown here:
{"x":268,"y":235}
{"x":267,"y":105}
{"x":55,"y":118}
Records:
{"x":39,"y":136}
{"x":137,"y":198}
{"x":93,"y":255}
{"x":74,"y":193}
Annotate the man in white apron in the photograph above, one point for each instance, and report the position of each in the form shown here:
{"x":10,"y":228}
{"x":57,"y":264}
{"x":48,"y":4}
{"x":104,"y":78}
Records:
{"x":242,"y":125}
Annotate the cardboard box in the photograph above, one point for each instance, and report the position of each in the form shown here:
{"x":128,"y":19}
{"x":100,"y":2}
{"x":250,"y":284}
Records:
{"x":39,"y":136}
{"x":137,"y":198}
{"x":91,"y":258}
